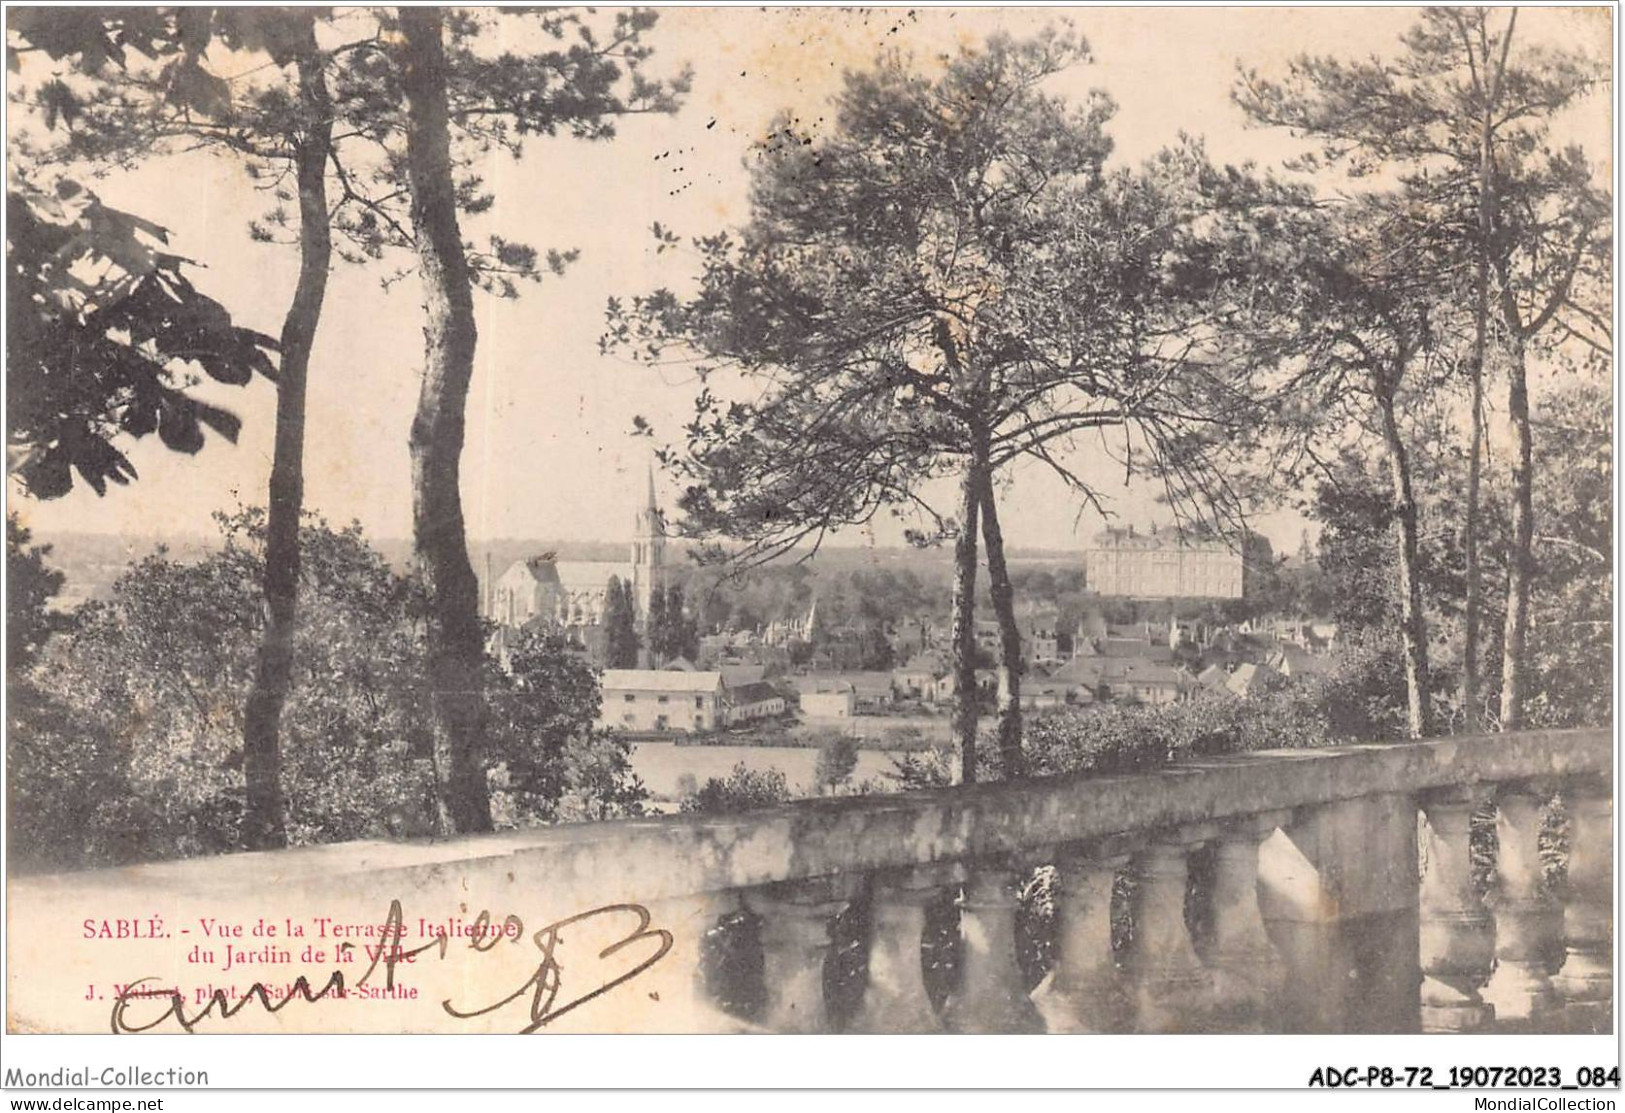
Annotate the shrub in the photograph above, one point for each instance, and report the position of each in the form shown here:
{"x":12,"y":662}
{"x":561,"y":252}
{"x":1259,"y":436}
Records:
{"x":743,"y":790}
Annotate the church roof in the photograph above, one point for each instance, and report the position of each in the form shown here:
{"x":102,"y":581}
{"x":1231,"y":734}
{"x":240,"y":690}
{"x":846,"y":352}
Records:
{"x":572,"y":575}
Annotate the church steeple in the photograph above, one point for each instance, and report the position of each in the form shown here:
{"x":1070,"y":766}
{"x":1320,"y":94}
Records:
{"x":648,"y":550}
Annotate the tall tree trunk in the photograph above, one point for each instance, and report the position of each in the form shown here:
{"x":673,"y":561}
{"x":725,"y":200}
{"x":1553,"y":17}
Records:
{"x":263,"y":821}
{"x":1412,"y":621}
{"x":1520,"y":561}
{"x":1473,"y":603}
{"x":1490,"y":95}
{"x":964,"y":632}
{"x":1004,"y":608}
{"x":456,"y":650}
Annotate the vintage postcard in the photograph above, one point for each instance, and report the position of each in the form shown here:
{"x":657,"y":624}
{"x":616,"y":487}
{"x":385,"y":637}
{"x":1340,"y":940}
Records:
{"x":810,"y":520}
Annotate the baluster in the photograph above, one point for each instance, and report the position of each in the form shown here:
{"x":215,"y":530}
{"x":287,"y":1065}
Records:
{"x":1586,"y":981}
{"x":1526,"y":920}
{"x":1172,"y":989}
{"x":991,"y":995}
{"x":1457,"y":932}
{"x":1085,"y":992}
{"x":1248,"y":972}
{"x":796,"y":938}
{"x":895,"y":999}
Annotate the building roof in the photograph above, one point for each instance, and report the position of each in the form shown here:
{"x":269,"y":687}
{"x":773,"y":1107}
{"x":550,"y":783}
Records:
{"x":1139,"y":670}
{"x":823,"y":684}
{"x":572,"y":575}
{"x":1247,"y":676}
{"x":1045,"y":688}
{"x":1081,"y":670}
{"x":1294,"y":660}
{"x":1136,"y":647}
{"x":757,"y":692}
{"x":659,"y":680}
{"x":1129,"y":538}
{"x":864,"y":682}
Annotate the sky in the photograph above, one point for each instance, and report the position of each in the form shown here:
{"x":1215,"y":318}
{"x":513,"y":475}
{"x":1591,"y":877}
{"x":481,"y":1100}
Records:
{"x":549,"y":453}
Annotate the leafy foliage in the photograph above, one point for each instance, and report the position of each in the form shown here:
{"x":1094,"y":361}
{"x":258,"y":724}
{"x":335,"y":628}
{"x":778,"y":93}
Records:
{"x":1571,"y":627}
{"x":555,"y":763}
{"x":138,"y":706}
{"x":30,"y":586}
{"x":673,"y":632}
{"x":102,"y":325}
{"x":620,"y":626}
{"x":949,"y":264}
{"x":143,"y":82}
{"x":743,"y":790}
{"x":837,"y":761}
{"x":1494,"y":214}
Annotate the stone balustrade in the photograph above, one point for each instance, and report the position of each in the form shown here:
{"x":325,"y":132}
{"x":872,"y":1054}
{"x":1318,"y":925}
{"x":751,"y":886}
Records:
{"x":1384,"y":887}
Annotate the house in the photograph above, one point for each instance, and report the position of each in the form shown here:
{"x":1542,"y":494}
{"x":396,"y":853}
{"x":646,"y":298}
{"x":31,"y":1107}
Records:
{"x":988,"y":637}
{"x":826,"y":697}
{"x":1213,"y":678}
{"x":659,"y":700}
{"x":1127,"y":678}
{"x":1041,"y":693}
{"x":1248,"y":678}
{"x":872,"y":689}
{"x":1083,"y":678}
{"x":1147,"y":681}
{"x":918,"y":678}
{"x":1043,"y":647}
{"x":1293,"y":660}
{"x":747,"y":703}
{"x":987,"y":685}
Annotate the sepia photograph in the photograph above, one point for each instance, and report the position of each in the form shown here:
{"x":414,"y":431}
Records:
{"x":811,"y":520}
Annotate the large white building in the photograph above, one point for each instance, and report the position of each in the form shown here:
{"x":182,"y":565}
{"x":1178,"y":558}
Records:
{"x":572,"y":594}
{"x":1168,"y":565}
{"x":662,"y":700}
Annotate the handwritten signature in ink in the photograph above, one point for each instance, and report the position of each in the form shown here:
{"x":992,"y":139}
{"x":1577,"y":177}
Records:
{"x":545,"y":984}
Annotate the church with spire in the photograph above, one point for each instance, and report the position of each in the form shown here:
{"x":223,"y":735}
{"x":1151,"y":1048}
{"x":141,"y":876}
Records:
{"x":648,"y":551}
{"x":571,"y":596}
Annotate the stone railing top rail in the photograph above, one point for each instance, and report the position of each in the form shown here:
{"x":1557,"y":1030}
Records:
{"x":651,"y":859}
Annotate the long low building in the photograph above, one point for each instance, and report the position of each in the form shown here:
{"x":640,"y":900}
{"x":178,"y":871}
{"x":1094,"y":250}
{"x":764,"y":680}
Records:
{"x":746,"y":703}
{"x":660,"y":700}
